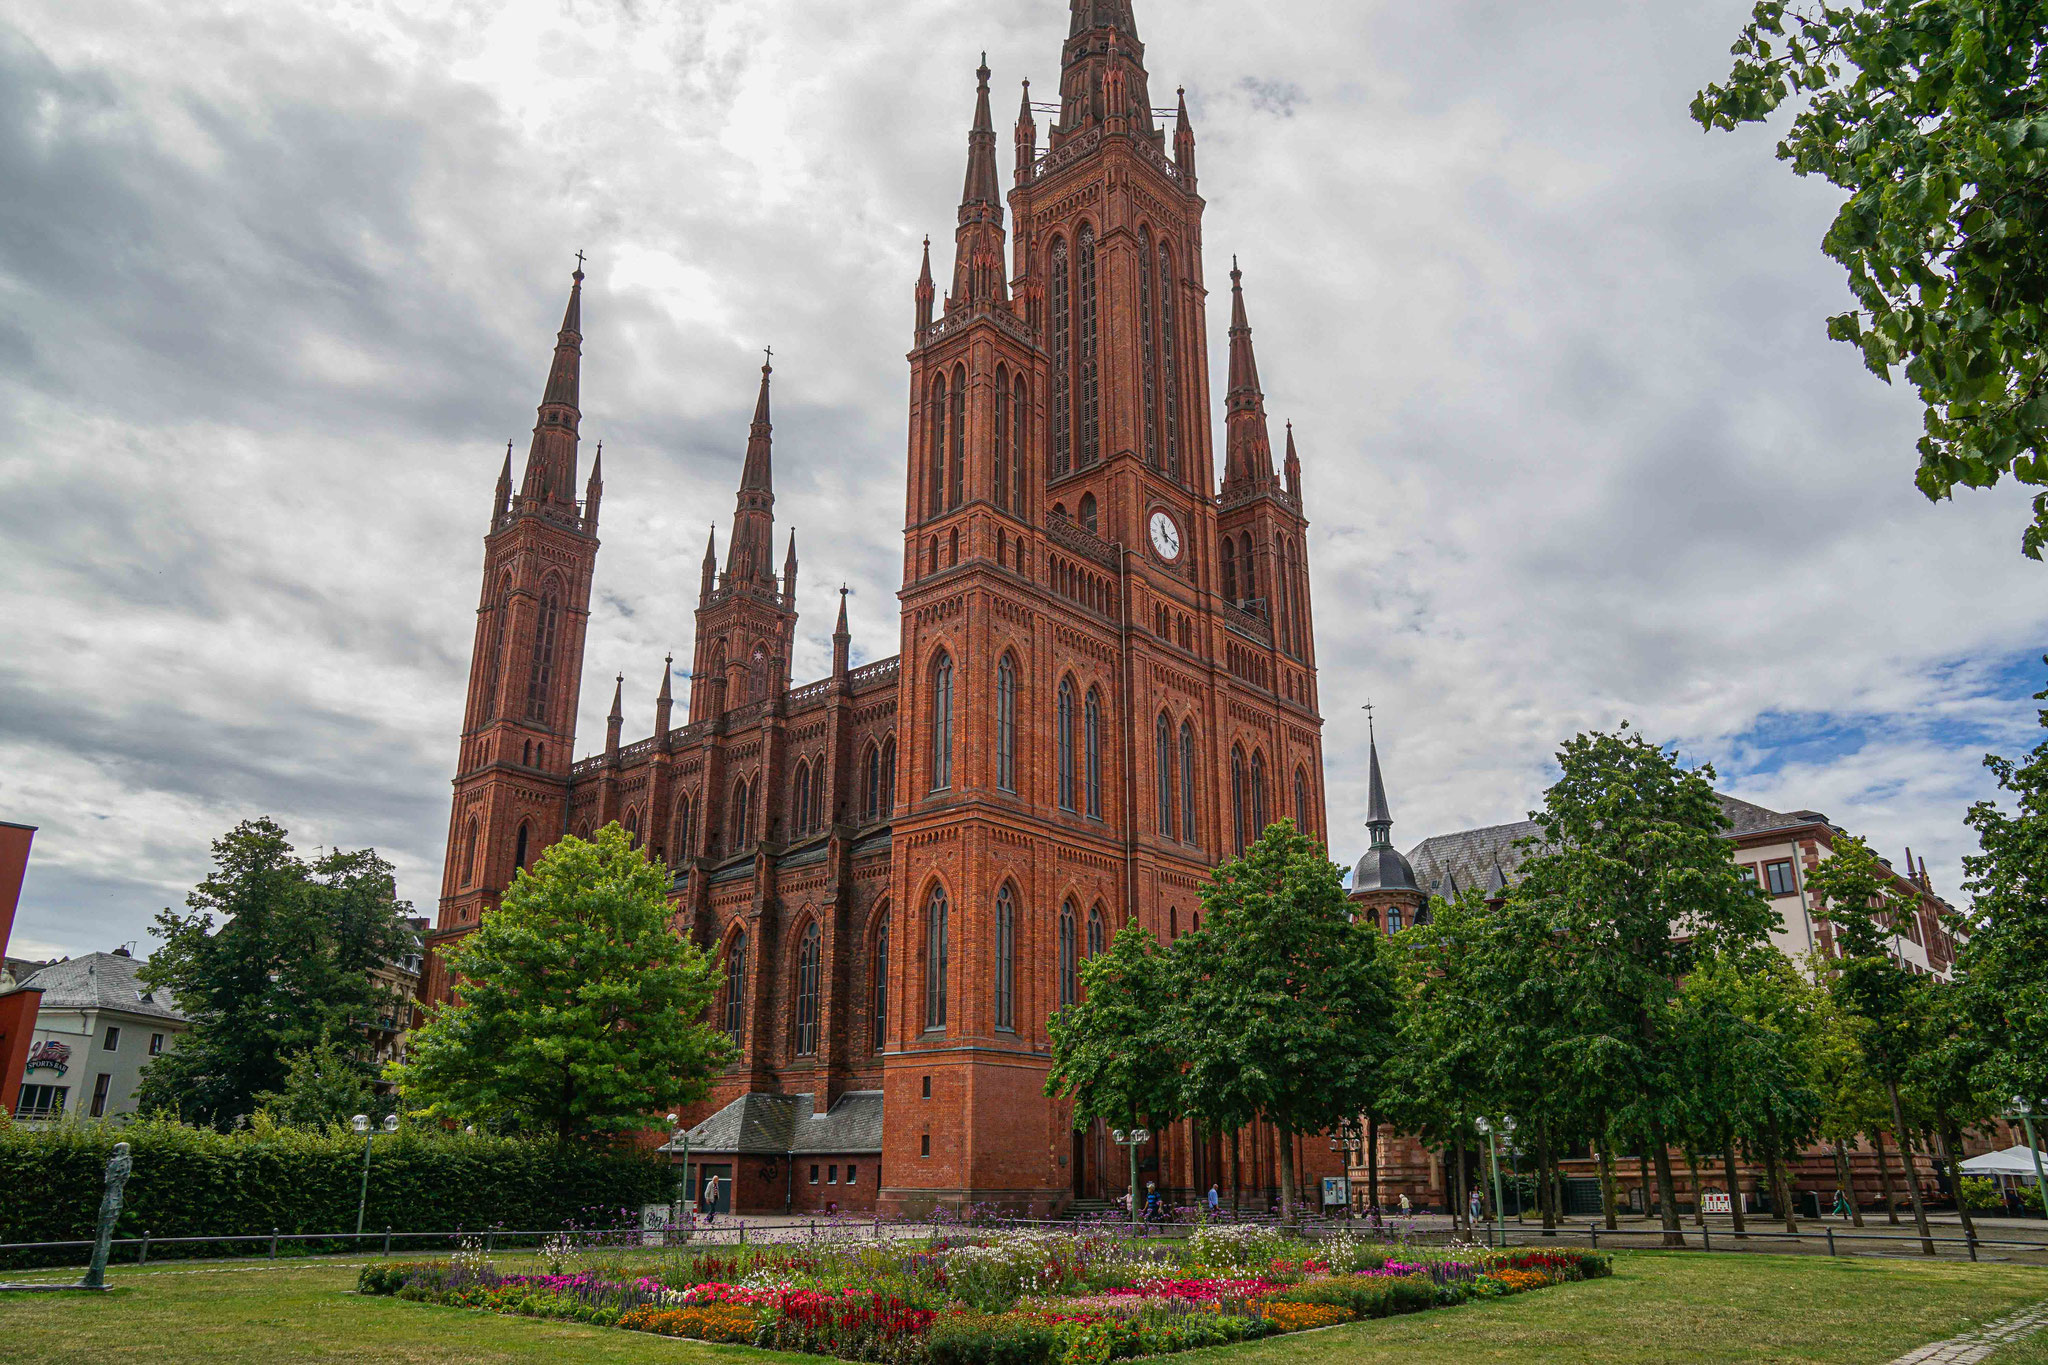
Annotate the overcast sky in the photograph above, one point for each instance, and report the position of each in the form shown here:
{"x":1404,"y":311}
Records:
{"x":278,"y":280}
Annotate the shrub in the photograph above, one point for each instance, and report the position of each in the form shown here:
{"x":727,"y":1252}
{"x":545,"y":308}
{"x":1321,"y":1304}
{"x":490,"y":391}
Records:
{"x":1979,"y":1193}
{"x":1370,"y":1296}
{"x":1299,"y":1317}
{"x":703,"y":1322}
{"x":990,"y":1339}
{"x":387,"y":1277}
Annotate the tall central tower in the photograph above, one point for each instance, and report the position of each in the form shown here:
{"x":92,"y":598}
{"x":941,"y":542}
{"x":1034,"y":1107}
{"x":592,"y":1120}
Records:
{"x":1107,"y":682}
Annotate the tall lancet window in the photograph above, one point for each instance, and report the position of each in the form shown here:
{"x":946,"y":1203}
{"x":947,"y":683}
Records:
{"x":942,"y":721}
{"x":935,"y":501}
{"x":936,"y":947}
{"x":956,"y":478}
{"x":1066,"y":744}
{"x":1230,"y":571}
{"x":1019,"y":412}
{"x":1090,"y":379}
{"x":1094,"y":737}
{"x":807,"y":992}
{"x":1006,"y":724}
{"x":501,"y":617}
{"x":1258,"y":792}
{"x":1070,"y":956}
{"x":1187,"y":782}
{"x":1006,"y":959}
{"x":1000,"y":484}
{"x":736,"y":987}
{"x":1062,"y":362}
{"x":1283,"y":615}
{"x":547,"y":627}
{"x":1148,"y":345}
{"x":1162,"y":774}
{"x":879,"y":975}
{"x":1301,"y":801}
{"x":1237,"y":810}
{"x":1169,"y":363}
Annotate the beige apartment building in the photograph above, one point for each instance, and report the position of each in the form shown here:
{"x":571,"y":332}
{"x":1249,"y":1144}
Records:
{"x":97,"y":1030}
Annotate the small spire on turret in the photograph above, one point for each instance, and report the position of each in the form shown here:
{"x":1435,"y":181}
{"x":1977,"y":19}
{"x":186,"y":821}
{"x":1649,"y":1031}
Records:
{"x":789,"y":572}
{"x":1248,"y":450}
{"x":925,"y":292}
{"x":615,"y":722}
{"x":1293,"y":467}
{"x":593,"y":491}
{"x":501,"y":506}
{"x":664,"y":701}
{"x":1027,"y":137}
{"x":1184,"y":144}
{"x":710,"y":566}
{"x":978,"y":271}
{"x":842,"y":639}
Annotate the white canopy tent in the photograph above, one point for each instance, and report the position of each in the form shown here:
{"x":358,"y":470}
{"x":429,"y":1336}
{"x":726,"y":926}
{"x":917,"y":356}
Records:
{"x":2013,"y":1163}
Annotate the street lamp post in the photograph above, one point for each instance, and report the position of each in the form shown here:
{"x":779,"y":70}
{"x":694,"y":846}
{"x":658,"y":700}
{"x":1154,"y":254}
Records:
{"x":1493,"y":1148}
{"x":2024,"y":1112}
{"x":361,"y":1123}
{"x":679,"y":1135}
{"x":1131,"y":1141}
{"x":1348,"y":1137}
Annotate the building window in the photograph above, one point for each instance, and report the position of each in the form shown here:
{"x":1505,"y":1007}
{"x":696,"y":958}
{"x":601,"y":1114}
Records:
{"x":942,"y":722}
{"x":1301,"y":801}
{"x":501,"y":616}
{"x":935,"y":948}
{"x":1062,"y":423}
{"x":736,"y":988}
{"x":800,"y":801}
{"x":927,"y":1087}
{"x":156,"y":1045}
{"x":541,"y":676}
{"x":633,"y":828}
{"x":1066,"y":744}
{"x":880,"y":1022}
{"x":1237,"y":804}
{"x":807,"y":992}
{"x":957,"y":481}
{"x":1778,"y":878}
{"x":1094,"y":728}
{"x":101,"y":1085}
{"x":40,"y":1102}
{"x":814,"y":1173}
{"x":1006,"y":724}
{"x":1258,"y":793}
{"x":1169,"y":379}
{"x":1748,"y":871}
{"x":742,"y":815}
{"x":1229,"y":571}
{"x":925,"y":1145}
{"x":832,"y":1175}
{"x":1094,"y":930}
{"x":679,"y":839}
{"x":1070,"y":981}
{"x":469,"y":840}
{"x":1089,"y":517}
{"x":851,"y":1171}
{"x":1148,"y":347}
{"x":112,"y":1042}
{"x":1084,"y":325}
{"x":1393,"y":919}
{"x":1018,"y":416}
{"x":1006,"y":960}
{"x":1162,"y":775}
{"x":937,"y":501}
{"x":1000,"y":485}
{"x":1187,"y":781}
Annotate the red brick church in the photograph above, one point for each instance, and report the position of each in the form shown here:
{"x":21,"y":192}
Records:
{"x":1106,"y":684}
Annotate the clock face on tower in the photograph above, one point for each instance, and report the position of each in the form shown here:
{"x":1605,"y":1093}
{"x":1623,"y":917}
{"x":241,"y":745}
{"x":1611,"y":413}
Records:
{"x":1165,"y":537}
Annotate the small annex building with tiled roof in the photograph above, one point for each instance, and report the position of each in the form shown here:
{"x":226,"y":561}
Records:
{"x":98,"y":1027}
{"x":785,"y":1152}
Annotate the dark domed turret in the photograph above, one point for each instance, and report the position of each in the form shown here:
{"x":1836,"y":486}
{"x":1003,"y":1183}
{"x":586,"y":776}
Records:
{"x":1383,"y":868}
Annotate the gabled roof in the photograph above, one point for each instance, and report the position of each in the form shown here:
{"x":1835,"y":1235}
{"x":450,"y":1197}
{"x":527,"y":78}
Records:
{"x":101,"y":981}
{"x":762,"y":1124}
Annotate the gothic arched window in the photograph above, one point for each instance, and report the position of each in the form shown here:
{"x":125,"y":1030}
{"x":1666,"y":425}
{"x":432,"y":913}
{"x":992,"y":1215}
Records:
{"x":1248,"y":579}
{"x":935,"y":503}
{"x":942,"y":721}
{"x":1162,"y":772}
{"x":1237,"y":801}
{"x":742,"y":815}
{"x":1088,"y":516}
{"x":736,"y":987}
{"x":469,"y":842}
{"x":633,"y":828}
{"x":807,"y":991}
{"x":999,"y":485}
{"x":679,"y":839}
{"x":547,"y":627}
{"x":880,"y":979}
{"x":1301,"y":801}
{"x":1148,"y":334}
{"x":1062,"y":424}
{"x":519,"y":851}
{"x":888,"y":775}
{"x":501,"y":619}
{"x":800,"y":803}
{"x":1283,"y":614}
{"x":1019,"y":416}
{"x":1065,"y":763}
{"x":1187,"y":783}
{"x":1006,"y":724}
{"x":1089,"y":380}
{"x":1070,"y":977}
{"x":1258,"y":792}
{"x":1006,"y":959}
{"x":957,"y":478}
{"x":1094,"y":737}
{"x":1230,"y":570}
{"x":1095,"y":930}
{"x":936,"y":946}
{"x":1169,"y":364}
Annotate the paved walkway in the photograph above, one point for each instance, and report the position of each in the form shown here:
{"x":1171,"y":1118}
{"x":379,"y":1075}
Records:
{"x":1971,"y":1347}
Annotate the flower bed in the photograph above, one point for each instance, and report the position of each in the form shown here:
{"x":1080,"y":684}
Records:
{"x":997,"y":1298}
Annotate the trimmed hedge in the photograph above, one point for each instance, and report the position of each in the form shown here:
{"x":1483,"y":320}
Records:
{"x":195,"y":1182}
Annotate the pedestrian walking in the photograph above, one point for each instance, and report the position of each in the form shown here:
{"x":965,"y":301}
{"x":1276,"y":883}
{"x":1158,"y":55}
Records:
{"x":711,"y":1200}
{"x":1477,"y":1208}
{"x":1841,"y":1209}
{"x":1406,"y":1207}
{"x":1215,"y":1201}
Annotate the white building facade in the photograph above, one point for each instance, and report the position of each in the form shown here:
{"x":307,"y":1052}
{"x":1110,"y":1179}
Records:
{"x":97,"y":1031}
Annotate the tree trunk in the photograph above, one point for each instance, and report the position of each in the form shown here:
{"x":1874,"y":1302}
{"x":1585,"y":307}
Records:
{"x":1734,"y":1181}
{"x":1906,"y":1161}
{"x":1460,"y":1213}
{"x":1236,"y":1170}
{"x":1607,"y":1202}
{"x":1699,"y":1204}
{"x":1884,"y":1178}
{"x":1372,"y":1166}
{"x":1286,"y":1149}
{"x":1847,"y":1170}
{"x":1667,"y":1193}
{"x":1643,"y":1171}
{"x":1546,"y":1182}
{"x":1952,"y":1148}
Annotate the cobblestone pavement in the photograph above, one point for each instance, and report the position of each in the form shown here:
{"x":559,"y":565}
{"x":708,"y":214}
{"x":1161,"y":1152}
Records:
{"x":1971,"y":1347}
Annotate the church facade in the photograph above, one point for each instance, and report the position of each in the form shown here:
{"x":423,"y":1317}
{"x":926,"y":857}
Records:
{"x":1105,"y":685}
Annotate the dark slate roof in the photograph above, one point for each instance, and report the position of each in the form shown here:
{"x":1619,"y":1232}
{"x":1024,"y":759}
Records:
{"x":1383,"y":869}
{"x":1470,"y":856}
{"x":774,"y":1125}
{"x":101,"y":981}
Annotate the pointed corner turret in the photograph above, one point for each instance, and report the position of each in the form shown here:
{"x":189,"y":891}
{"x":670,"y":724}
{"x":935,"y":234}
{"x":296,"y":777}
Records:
{"x":710,"y":575}
{"x":1027,"y":137}
{"x":1293,"y":467}
{"x":615,"y":722}
{"x":501,"y":504}
{"x":593,"y":492}
{"x":664,"y":702}
{"x":925,"y":291}
{"x":1248,"y":449}
{"x":842,"y":639}
{"x":979,"y":277}
{"x":789,"y":572}
{"x":1184,"y":142}
{"x":1378,"y":818}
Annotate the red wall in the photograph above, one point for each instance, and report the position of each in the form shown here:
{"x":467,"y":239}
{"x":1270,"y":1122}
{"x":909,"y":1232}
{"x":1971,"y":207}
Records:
{"x":18,"y":1009}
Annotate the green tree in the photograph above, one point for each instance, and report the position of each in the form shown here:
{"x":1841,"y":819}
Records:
{"x":580,"y":1010}
{"x":1115,"y":1053}
{"x":2005,"y":963}
{"x":1857,"y":894}
{"x":284,"y":967}
{"x":1631,"y":876}
{"x":1933,"y":116}
{"x":322,"y":1085}
{"x":1950,"y":1073}
{"x":1294,"y":1014}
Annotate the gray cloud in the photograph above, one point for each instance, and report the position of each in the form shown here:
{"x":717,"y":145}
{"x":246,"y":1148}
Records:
{"x":278,"y":281}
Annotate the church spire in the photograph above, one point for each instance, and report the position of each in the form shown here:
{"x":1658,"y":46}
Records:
{"x":664,"y":702}
{"x":1027,"y":137}
{"x":1184,"y":143}
{"x":501,"y":505}
{"x":1102,"y":76}
{"x":842,"y":639}
{"x":753,"y":521}
{"x":615,"y":723}
{"x":1248,"y":450}
{"x":1292,"y":466}
{"x":978,"y":274}
{"x":789,"y":572}
{"x":710,"y":566}
{"x":925,"y":292}
{"x":1377,"y":818}
{"x":594,"y":490}
{"x":550,"y":478}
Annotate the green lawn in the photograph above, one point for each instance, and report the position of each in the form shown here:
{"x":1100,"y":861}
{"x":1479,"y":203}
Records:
{"x":1657,"y":1308}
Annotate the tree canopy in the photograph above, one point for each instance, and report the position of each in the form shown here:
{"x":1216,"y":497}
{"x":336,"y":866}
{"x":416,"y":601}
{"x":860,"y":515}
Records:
{"x":580,"y":1010}
{"x":1933,"y":115}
